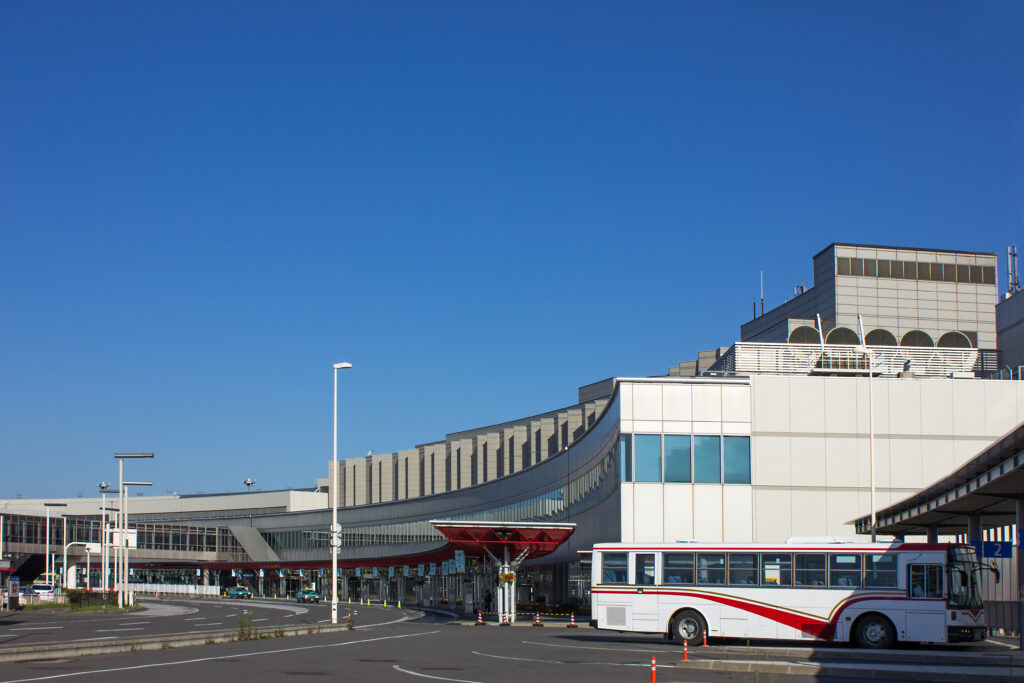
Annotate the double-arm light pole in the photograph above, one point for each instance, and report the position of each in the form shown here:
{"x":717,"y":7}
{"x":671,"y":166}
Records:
{"x":123,"y":597}
{"x":335,"y":528}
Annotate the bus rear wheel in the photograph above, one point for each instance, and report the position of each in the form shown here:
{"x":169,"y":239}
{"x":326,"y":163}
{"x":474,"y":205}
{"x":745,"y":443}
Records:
{"x":875,"y":632}
{"x":689,"y":626}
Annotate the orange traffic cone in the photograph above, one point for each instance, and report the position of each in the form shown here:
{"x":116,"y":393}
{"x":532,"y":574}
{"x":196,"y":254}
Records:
{"x":572,"y":620}
{"x":536,"y":622}
{"x":480,"y":619}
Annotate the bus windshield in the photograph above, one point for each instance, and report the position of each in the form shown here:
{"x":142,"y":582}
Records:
{"x":964,"y":579}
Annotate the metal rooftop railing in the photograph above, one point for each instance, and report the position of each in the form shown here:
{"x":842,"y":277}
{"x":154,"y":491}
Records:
{"x":758,"y":358}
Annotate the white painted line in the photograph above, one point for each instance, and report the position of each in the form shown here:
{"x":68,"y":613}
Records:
{"x":133,"y":623}
{"x":436,"y":678}
{"x":517,"y":659}
{"x":194,"y":619}
{"x":214,"y":659}
{"x":263,"y":619}
{"x":80,"y":640}
{"x":111,"y":630}
{"x":323,"y":621}
{"x":288,"y":615}
{"x":605,"y":649}
{"x":996,"y":642}
{"x":36,"y":628}
{"x":211,"y":623}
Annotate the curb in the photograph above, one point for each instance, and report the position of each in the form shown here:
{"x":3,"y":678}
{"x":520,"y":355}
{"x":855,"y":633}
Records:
{"x":168,"y":641}
{"x":933,"y":673}
{"x":826,"y":657}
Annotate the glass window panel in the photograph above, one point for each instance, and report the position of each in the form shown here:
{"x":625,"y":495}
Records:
{"x":647,"y":456}
{"x":988,"y":275}
{"x":809,"y":569}
{"x":883,"y":269}
{"x":963,"y":273}
{"x":949,"y":272}
{"x":711,"y":568}
{"x":856,"y":267}
{"x":644,"y":566}
{"x":910,"y":270}
{"x":844,"y":570}
{"x":677,"y":458}
{"x":880,"y":571}
{"x":926,"y":581}
{"x":976,"y":274}
{"x":869,"y":267}
{"x":743,"y":569}
{"x":678,"y":568}
{"x":924,"y":271}
{"x":614,"y":567}
{"x":626,"y":453}
{"x":707,"y":460}
{"x":896,"y":269}
{"x":736,"y":450}
{"x":842,"y":266}
{"x":776,"y":569}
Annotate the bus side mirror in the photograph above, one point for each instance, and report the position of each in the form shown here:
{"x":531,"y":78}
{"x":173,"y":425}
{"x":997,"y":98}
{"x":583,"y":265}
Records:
{"x":994,"y":570}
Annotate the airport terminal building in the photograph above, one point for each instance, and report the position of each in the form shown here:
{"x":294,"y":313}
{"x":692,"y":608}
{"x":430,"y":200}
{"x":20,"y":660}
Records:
{"x":787,"y":432}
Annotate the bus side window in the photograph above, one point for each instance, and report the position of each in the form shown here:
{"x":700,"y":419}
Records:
{"x":677,"y":568}
{"x":880,"y":571}
{"x":711,"y":568}
{"x":776,"y":570}
{"x":644,"y":565}
{"x":614,"y":567}
{"x":925,"y":581}
{"x":844,"y":570}
{"x":743,"y":569}
{"x":810,"y":569}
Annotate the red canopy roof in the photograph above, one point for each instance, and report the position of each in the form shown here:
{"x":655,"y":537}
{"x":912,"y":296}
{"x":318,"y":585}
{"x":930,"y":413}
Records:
{"x":473,"y":537}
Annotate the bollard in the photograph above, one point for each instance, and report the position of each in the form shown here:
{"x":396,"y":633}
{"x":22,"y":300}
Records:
{"x":399,"y":604}
{"x":572,"y":620}
{"x":480,"y":619}
{"x":686,"y":651}
{"x":536,"y":622}
{"x":654,"y":671}
{"x":705,"y":637}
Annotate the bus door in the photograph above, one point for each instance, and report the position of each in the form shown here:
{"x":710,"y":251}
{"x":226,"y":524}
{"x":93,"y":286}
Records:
{"x":926,"y":606}
{"x":645,"y":604}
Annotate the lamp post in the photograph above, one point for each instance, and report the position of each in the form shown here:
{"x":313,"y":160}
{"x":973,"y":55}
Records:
{"x":104,"y":487}
{"x":335,"y":529}
{"x":48,"y":563}
{"x":122,"y":579}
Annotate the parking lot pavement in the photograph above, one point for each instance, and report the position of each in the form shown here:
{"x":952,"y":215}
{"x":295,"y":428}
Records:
{"x":167,"y":617}
{"x":427,"y":649}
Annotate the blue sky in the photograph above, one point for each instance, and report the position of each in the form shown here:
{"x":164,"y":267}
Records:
{"x":482,"y":206}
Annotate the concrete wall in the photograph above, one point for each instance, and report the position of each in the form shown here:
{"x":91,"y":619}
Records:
{"x":1010,"y":327}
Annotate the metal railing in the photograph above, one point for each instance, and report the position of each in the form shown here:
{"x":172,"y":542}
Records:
{"x":759,"y":358}
{"x":161,"y":589}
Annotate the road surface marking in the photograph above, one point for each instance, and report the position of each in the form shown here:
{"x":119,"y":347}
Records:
{"x":605,"y":649}
{"x":194,"y":619}
{"x":111,"y":630}
{"x":436,"y":678}
{"x":35,"y":628}
{"x":214,"y":659}
{"x":211,"y":623}
{"x":133,"y":623}
{"x":263,"y":619}
{"x":79,"y":640}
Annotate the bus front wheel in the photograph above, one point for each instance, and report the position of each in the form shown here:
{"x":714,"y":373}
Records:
{"x":874,"y":631}
{"x":689,"y":626}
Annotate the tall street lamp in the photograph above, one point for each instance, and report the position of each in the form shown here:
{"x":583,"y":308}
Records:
{"x":49,"y":561}
{"x":335,"y":529}
{"x":122,"y":580}
{"x":104,"y":487}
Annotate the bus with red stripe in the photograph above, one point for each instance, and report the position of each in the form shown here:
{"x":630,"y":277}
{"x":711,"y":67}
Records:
{"x":822,"y":589}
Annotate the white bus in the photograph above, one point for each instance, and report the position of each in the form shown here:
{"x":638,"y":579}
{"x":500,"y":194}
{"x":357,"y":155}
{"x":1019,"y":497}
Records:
{"x":873,"y":594}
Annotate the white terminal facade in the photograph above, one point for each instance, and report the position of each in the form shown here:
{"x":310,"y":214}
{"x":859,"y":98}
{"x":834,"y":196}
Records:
{"x":760,"y":441}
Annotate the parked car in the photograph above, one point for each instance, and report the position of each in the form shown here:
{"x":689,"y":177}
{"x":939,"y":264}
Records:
{"x":239,"y":592}
{"x":45,"y":591}
{"x":307,"y":595}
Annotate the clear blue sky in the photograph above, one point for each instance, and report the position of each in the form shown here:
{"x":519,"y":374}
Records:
{"x":481,"y":205}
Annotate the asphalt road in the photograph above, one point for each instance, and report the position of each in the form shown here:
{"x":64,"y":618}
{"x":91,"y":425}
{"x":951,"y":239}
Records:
{"x":381,"y":648}
{"x":406,"y":652}
{"x":172,"y":617}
